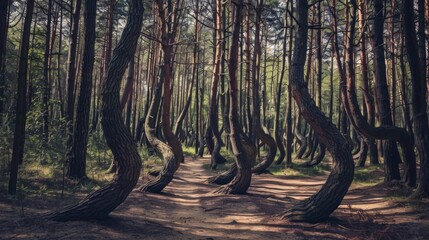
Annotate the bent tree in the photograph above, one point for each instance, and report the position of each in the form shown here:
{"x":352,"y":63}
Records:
{"x":259,"y":132}
{"x":319,"y":206}
{"x":242,"y":148}
{"x":171,"y":150}
{"x":99,"y":204}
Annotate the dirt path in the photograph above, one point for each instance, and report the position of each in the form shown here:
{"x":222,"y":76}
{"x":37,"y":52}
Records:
{"x":187,"y":210}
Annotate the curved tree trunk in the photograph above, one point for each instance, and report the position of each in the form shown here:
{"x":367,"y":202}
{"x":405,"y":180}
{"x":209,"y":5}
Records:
{"x":171,"y":150}
{"x":384,"y":132}
{"x":259,"y":132}
{"x":328,"y":198}
{"x":100,"y":203}
{"x":243,"y":150}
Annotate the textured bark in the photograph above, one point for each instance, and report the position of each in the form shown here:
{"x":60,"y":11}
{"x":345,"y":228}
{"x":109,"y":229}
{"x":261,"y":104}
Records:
{"x":100,"y":203}
{"x":171,"y":150}
{"x":4,"y":7}
{"x":359,"y":121}
{"x":71,"y":72}
{"x":242,"y":148}
{"x":260,"y":134}
{"x":77,"y":156}
{"x":21,"y":105}
{"x":328,"y":198}
{"x":390,"y":149}
{"x":216,"y":157}
{"x":420,"y":116}
{"x":369,"y":101}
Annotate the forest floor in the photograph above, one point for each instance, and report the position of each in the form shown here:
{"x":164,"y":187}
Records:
{"x":187,"y":210}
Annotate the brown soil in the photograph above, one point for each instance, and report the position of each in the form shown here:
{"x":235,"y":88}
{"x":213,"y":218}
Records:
{"x":187,"y":210}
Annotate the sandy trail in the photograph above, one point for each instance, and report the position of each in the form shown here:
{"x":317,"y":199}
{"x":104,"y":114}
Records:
{"x":187,"y":210}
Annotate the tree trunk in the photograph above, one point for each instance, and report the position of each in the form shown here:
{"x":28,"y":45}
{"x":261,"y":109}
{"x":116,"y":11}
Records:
{"x":171,"y":150}
{"x":21,"y":105}
{"x":390,"y":149}
{"x":259,"y":132}
{"x":4,"y":25}
{"x":242,"y":148}
{"x":421,"y":126}
{"x":71,"y":72}
{"x":77,"y":156}
{"x":360,"y":123}
{"x":216,"y":157}
{"x":328,"y":198}
{"x":100,"y":203}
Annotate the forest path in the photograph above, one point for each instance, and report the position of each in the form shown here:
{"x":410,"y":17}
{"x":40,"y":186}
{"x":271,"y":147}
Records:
{"x":188,"y":210}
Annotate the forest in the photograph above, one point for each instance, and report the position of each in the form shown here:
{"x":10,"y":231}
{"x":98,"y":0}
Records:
{"x":237,"y":119}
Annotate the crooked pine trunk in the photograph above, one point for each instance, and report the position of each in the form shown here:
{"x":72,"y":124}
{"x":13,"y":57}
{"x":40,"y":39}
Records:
{"x":243,"y":150}
{"x":171,"y":150}
{"x":259,"y":132}
{"x":99,"y":204}
{"x":383,"y":132}
{"x":319,"y":206}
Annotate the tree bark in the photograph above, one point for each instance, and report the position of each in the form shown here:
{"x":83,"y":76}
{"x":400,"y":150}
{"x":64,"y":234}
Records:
{"x":360,"y":123}
{"x":420,"y":116}
{"x":100,"y":203}
{"x":390,"y":149}
{"x":259,"y":132}
{"x":21,"y":104}
{"x":328,"y":198}
{"x":4,"y":24}
{"x":77,"y":156}
{"x":242,"y":148}
{"x":216,"y":157}
{"x":171,"y":150}
{"x":71,"y":72}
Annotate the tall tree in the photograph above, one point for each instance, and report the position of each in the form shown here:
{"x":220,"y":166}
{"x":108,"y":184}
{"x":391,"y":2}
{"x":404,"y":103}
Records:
{"x":259,"y":132}
{"x":420,"y":116}
{"x":390,"y":149}
{"x":46,"y":75}
{"x":171,"y":150}
{"x":319,"y":206}
{"x":242,"y":147}
{"x":4,"y":7}
{"x":100,"y":203}
{"x":216,"y":157}
{"x":21,"y":104}
{"x":71,"y":70}
{"x":77,"y":156}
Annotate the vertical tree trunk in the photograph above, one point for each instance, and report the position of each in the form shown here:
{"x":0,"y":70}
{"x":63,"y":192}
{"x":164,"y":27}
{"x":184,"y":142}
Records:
{"x":71,"y":72}
{"x":391,"y":154}
{"x":100,"y":203}
{"x":46,"y":80}
{"x":216,"y":157}
{"x":4,"y":24}
{"x":369,"y":101}
{"x":328,"y":198}
{"x":21,"y":109}
{"x":420,"y":116}
{"x":77,"y":156}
